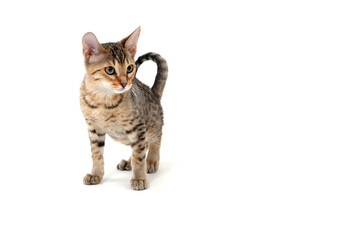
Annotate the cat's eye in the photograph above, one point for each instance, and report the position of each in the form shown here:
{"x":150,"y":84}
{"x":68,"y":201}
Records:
{"x":110,"y":70}
{"x":129,"y":69}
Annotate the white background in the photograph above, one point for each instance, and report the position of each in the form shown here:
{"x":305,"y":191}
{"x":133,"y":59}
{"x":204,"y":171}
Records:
{"x":261,"y":136}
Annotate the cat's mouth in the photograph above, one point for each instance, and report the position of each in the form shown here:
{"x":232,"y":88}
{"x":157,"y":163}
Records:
{"x":121,"y":89}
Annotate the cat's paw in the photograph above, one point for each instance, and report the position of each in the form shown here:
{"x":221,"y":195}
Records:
{"x":124,"y":165}
{"x":139,"y":184}
{"x":91,"y":179}
{"x":152,"y":166}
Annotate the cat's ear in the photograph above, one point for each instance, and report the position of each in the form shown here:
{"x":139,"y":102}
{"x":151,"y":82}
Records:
{"x":91,"y":47}
{"x":130,"y":42}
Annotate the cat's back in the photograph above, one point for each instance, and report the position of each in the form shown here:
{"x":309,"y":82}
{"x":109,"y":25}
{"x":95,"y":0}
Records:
{"x":143,"y":94}
{"x":148,"y":105}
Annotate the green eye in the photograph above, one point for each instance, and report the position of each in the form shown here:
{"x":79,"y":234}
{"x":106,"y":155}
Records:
{"x":110,"y":70}
{"x":129,"y":69}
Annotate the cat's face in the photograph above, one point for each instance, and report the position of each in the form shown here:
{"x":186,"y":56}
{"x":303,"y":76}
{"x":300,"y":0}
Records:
{"x":110,"y":66}
{"x":112,"y":70}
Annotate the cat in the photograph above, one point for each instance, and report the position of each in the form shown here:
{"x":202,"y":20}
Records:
{"x":114,"y":102}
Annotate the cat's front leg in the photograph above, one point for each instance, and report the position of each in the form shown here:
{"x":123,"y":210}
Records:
{"x":97,"y":141}
{"x":138,"y":162}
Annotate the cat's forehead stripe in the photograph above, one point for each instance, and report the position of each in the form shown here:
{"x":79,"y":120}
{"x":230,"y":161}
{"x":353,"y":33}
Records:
{"x":116,"y":51}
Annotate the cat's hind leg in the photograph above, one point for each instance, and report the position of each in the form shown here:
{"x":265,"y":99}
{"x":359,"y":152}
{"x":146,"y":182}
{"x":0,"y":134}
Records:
{"x":153,"y":156}
{"x":125,"y":165}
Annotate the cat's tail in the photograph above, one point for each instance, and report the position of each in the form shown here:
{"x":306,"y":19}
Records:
{"x":162,"y":71}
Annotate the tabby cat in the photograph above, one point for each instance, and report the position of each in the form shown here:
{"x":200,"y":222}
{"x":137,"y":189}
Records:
{"x":114,"y":102}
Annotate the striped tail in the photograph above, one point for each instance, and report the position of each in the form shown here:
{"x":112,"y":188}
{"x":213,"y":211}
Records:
{"x":162,"y":71}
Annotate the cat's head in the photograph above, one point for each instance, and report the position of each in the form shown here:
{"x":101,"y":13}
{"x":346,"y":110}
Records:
{"x":110,"y":66}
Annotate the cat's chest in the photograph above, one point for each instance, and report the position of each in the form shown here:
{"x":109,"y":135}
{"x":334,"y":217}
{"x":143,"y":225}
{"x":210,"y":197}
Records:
{"x":119,"y":134}
{"x":111,"y":123}
{"x":103,"y":118}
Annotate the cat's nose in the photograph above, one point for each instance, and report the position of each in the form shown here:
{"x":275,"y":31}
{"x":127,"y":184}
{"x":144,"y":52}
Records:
{"x":123,"y":84}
